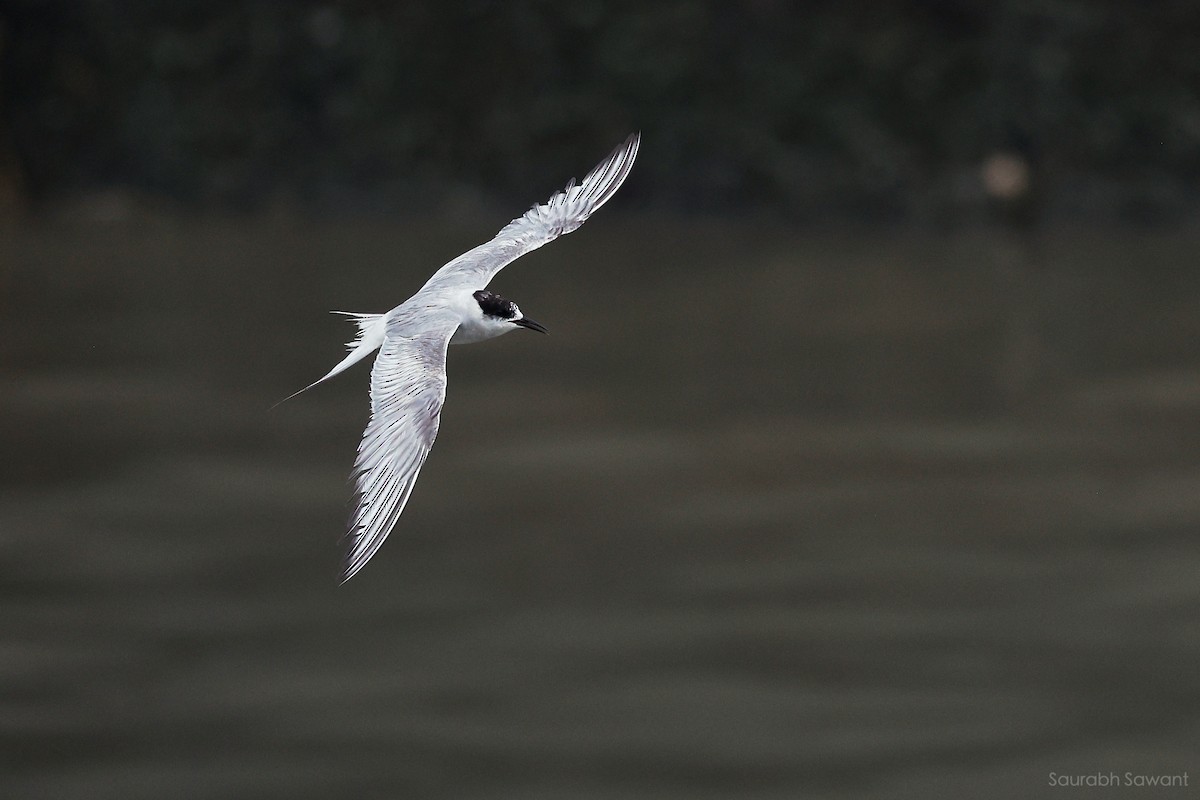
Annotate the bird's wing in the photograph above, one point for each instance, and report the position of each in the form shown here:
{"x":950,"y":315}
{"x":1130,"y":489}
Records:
{"x":408,"y":386}
{"x":562,"y":213}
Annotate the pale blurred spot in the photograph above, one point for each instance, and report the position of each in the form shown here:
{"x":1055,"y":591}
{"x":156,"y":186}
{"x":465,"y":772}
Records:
{"x":1005,"y":176}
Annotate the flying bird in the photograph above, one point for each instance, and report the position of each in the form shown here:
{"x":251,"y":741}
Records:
{"x":408,"y":380}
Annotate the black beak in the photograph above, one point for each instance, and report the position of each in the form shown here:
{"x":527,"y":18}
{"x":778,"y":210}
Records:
{"x":533,"y":325}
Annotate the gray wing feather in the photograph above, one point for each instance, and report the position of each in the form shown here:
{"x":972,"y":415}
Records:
{"x":562,"y":213}
{"x":408,"y":387}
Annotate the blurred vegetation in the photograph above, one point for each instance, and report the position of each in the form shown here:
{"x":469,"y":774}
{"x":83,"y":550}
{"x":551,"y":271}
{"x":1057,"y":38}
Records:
{"x":863,"y":109}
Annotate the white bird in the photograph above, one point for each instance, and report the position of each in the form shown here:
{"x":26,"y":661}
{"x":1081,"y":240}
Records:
{"x":408,"y":380}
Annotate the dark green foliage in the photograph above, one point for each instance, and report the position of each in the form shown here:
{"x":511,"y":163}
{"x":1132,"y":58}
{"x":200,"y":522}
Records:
{"x":851,"y":107}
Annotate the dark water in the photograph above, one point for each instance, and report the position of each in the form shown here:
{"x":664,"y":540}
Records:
{"x":769,"y":515}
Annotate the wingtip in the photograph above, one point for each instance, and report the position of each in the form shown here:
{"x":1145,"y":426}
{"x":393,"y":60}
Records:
{"x":350,"y":567}
{"x":353,"y":564}
{"x":632,"y":142}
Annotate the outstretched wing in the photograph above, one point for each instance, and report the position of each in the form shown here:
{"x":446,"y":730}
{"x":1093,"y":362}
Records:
{"x":408,"y":386}
{"x":562,"y":213}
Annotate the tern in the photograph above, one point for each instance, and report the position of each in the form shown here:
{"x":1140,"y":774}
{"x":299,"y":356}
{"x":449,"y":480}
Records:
{"x":408,"y":379}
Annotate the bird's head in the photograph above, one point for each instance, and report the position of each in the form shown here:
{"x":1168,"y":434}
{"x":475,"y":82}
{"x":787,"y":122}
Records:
{"x":501,"y":316}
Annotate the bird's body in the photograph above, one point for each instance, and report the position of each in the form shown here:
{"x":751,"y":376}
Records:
{"x":408,"y":380}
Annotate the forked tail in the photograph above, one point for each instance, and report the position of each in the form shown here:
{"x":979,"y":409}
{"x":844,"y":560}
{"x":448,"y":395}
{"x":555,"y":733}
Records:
{"x":371,"y":328}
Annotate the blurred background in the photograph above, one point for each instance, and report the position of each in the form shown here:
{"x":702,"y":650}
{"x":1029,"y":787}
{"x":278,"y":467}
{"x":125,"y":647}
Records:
{"x":862,"y":460}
